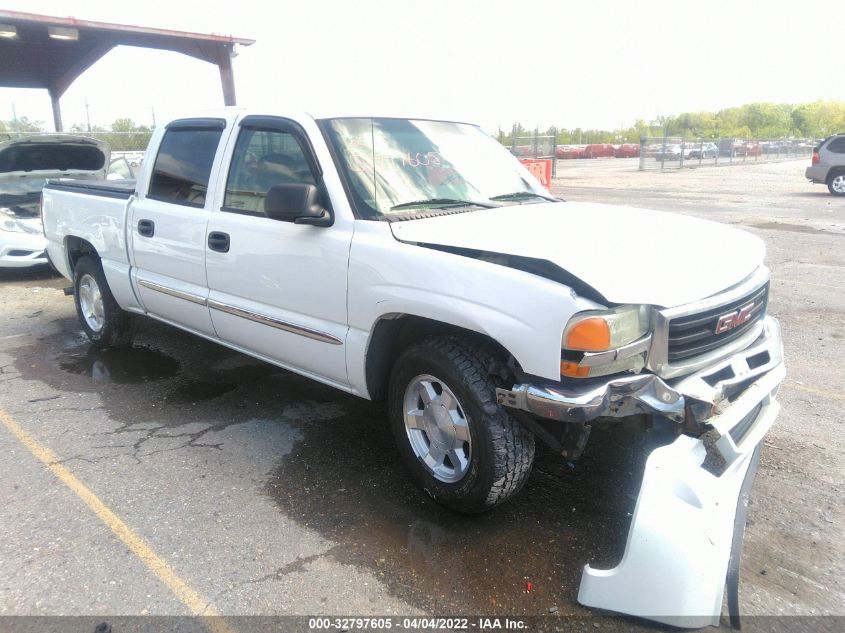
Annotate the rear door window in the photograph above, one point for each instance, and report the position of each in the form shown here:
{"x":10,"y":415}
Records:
{"x":183,"y":164}
{"x":837,"y":145}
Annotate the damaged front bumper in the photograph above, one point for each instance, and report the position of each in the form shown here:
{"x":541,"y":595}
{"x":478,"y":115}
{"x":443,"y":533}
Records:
{"x":701,"y":394}
{"x":685,"y":523}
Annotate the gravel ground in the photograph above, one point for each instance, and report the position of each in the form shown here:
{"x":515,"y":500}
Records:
{"x":269,"y":494}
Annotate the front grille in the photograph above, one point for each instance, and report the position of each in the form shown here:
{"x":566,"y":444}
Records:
{"x":695,"y":334}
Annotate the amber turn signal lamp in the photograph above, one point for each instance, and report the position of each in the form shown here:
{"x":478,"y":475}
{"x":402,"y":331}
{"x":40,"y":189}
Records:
{"x":590,"y":335}
{"x":573,"y":370}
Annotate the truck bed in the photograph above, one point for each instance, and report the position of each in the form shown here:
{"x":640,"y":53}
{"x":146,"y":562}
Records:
{"x":104,"y":188}
{"x":90,"y":211}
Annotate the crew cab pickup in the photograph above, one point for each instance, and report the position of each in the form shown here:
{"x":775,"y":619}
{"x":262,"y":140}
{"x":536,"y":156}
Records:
{"x":417,"y":261}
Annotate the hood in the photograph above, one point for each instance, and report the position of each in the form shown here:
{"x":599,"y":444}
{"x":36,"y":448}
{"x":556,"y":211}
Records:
{"x":40,"y":157}
{"x":628,"y":255}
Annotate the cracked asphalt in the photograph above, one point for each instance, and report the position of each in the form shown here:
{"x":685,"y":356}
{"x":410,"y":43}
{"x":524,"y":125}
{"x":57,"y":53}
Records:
{"x":270,"y":494}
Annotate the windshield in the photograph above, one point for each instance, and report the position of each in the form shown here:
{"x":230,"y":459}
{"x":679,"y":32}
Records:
{"x":400,"y":166}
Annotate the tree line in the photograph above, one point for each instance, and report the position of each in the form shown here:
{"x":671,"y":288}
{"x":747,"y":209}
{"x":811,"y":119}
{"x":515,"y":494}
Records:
{"x":753,"y":120}
{"x":122,"y":135}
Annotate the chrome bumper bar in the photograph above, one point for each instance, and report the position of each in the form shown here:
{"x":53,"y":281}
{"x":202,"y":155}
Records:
{"x":704,"y":393}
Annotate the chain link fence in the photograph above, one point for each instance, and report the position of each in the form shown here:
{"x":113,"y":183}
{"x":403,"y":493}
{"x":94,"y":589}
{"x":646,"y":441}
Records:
{"x":533,"y":146}
{"x":677,"y":152}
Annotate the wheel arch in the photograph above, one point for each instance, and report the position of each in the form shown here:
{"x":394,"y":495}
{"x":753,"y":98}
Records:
{"x":393,"y":333}
{"x":75,"y":248}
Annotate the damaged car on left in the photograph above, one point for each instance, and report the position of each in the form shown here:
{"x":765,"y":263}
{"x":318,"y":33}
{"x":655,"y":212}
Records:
{"x":26,"y":164}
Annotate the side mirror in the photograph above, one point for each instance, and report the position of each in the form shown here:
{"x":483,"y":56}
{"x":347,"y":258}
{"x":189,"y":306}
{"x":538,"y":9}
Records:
{"x":296,"y":203}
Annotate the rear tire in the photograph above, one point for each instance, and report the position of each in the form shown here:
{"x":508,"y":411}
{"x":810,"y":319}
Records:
{"x":836,"y":183}
{"x":468,"y":453}
{"x":104,"y":322}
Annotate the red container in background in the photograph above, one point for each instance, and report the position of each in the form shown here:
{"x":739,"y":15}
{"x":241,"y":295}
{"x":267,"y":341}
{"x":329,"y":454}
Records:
{"x":598,"y":150}
{"x":627,"y":150}
{"x":569,"y":151}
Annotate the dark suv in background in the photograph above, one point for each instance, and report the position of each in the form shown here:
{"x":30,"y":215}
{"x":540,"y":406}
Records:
{"x":829,"y":164}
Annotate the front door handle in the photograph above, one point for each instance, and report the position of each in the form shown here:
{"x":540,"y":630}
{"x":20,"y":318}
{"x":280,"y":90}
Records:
{"x":218,"y":241}
{"x":146,"y":228}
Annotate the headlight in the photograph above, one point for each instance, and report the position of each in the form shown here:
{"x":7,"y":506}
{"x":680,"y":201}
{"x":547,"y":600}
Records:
{"x":599,"y":331}
{"x":594,"y":342}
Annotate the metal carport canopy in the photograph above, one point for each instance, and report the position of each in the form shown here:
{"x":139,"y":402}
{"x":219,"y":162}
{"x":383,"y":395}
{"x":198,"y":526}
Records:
{"x":41,"y":51}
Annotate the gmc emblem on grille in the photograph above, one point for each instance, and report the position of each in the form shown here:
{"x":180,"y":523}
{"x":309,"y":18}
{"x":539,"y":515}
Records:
{"x":728,"y":322}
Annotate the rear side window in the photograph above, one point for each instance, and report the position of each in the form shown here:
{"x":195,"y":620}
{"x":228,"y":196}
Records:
{"x":183,"y":165}
{"x":837,"y":145}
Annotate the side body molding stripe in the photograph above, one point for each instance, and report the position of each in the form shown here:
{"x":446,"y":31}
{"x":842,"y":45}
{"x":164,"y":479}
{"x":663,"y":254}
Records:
{"x":246,"y":314}
{"x":276,"y":323}
{"x":187,"y":296}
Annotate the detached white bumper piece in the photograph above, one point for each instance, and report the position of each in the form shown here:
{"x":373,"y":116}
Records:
{"x":680,"y":543}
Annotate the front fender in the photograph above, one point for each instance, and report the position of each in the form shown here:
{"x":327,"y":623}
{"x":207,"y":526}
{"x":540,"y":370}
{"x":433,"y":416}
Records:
{"x":522,"y":312}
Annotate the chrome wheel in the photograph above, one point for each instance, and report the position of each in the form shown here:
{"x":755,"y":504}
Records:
{"x":91,"y":302}
{"x":838,"y":184}
{"x":437,"y":428}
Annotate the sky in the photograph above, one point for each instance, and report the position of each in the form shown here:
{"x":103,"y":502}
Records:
{"x":588,"y":64}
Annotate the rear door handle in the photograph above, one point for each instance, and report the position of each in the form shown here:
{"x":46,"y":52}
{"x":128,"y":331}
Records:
{"x":218,"y":241}
{"x":146,"y":228}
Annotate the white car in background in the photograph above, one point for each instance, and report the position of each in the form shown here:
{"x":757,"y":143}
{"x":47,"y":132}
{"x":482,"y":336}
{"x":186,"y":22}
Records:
{"x":25,"y":166}
{"x":703,"y":150}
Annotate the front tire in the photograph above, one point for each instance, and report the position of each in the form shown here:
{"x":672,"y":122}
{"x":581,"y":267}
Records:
{"x":468,"y":453}
{"x":836,"y":183}
{"x":104,"y":322}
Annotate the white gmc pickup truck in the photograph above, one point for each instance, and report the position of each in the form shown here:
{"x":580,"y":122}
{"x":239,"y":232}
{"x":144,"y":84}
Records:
{"x":418,"y":261}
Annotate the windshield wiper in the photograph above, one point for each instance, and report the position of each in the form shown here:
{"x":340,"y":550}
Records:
{"x":522,"y":195}
{"x":442,"y":202}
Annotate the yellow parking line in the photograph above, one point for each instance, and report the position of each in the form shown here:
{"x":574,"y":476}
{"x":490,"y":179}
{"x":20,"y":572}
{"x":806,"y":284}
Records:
{"x":818,"y":392}
{"x":195,"y":603}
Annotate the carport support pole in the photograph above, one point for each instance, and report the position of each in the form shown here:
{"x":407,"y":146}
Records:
{"x":227,"y":77}
{"x":643,"y":143}
{"x":57,"y":111}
